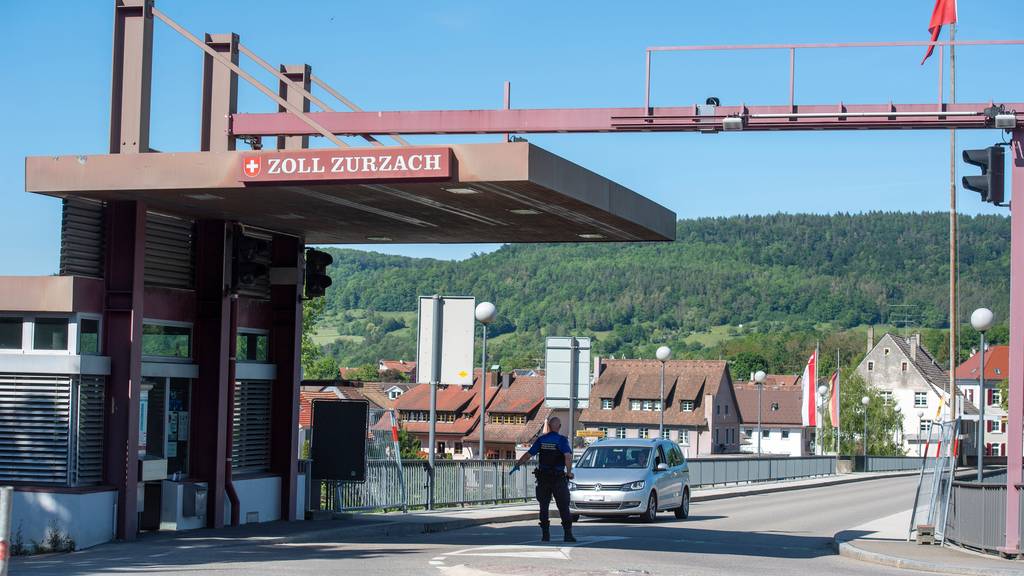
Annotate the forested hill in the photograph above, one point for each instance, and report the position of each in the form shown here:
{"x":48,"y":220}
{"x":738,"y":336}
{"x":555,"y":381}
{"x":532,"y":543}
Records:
{"x":781,"y":272}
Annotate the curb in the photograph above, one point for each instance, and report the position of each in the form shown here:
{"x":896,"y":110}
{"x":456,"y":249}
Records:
{"x":846,"y":549}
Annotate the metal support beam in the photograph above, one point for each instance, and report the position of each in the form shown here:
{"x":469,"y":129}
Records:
{"x":285,"y":335}
{"x":220,"y":94}
{"x":1015,"y":425}
{"x":210,"y":394}
{"x":679,"y":119}
{"x":298,"y":74}
{"x":122,"y":332}
{"x":132,"y":76}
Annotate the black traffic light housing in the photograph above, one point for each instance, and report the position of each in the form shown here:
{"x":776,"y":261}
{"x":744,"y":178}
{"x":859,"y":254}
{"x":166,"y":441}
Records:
{"x":317,"y":279}
{"x":250,"y":260}
{"x":991,"y":182}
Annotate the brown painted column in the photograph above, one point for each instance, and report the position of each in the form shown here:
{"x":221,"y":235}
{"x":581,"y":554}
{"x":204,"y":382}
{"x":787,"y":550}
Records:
{"x":300,"y":74}
{"x":285,"y":341}
{"x":220,"y":95}
{"x":210,"y":393}
{"x":122,"y":330}
{"x":132,"y":74}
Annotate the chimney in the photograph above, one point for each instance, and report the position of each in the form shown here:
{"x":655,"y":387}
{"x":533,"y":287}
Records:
{"x":597,"y":368}
{"x":506,"y":379}
{"x":871,"y":338}
{"x":915,"y":343}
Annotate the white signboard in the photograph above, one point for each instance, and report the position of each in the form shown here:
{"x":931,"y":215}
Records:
{"x":558,"y":372}
{"x":457,"y":325}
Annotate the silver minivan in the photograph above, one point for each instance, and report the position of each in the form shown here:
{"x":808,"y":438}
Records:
{"x":625,"y":477}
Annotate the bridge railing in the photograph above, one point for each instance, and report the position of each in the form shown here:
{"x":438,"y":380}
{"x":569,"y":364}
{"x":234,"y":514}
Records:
{"x":707,"y":472}
{"x":890,"y":463}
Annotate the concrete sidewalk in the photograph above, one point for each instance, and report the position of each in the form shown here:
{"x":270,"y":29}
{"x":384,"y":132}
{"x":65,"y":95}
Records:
{"x":884,"y":541}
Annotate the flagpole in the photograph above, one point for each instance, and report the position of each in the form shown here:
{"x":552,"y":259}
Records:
{"x":953,"y":316}
{"x":839,"y":401}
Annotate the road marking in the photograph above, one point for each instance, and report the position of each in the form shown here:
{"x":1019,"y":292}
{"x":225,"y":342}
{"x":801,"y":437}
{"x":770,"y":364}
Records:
{"x":533,"y":549}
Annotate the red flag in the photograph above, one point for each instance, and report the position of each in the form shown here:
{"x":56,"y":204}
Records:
{"x":833,"y":408}
{"x":809,"y":383}
{"x":944,"y":13}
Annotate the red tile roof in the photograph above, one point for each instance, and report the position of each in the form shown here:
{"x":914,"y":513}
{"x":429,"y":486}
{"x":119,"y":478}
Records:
{"x":623,"y":380}
{"x":306,"y":407}
{"x":402,"y":366}
{"x":521,"y":396}
{"x":786,"y":397}
{"x":997,"y":365}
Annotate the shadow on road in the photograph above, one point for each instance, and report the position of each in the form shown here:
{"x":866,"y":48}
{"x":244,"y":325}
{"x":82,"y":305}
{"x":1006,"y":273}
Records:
{"x":280,"y":543}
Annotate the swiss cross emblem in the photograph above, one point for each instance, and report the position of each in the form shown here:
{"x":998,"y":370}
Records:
{"x":251,"y":166}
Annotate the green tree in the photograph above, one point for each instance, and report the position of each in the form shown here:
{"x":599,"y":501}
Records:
{"x":746,"y":363}
{"x":315,"y":364}
{"x":409,"y":445}
{"x":364,"y":373}
{"x":1004,"y":394}
{"x":884,"y":423}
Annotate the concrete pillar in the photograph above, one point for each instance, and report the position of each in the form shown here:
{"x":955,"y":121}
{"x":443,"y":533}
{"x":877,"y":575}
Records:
{"x":220,"y":95}
{"x":285,"y":341}
{"x":122,"y":332}
{"x":300,"y":74}
{"x":210,"y":392}
{"x":132,"y":76}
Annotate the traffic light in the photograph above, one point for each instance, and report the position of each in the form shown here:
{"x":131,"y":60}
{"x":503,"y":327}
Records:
{"x":317,"y":279}
{"x":250,"y":261}
{"x":990,"y":183}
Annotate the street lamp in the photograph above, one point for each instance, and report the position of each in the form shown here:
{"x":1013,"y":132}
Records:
{"x":485,"y":314}
{"x":663,"y":353}
{"x":865,"y":400}
{"x":981,"y":320}
{"x":899,"y":429}
{"x":822,"y":391}
{"x":759,"y":377}
{"x":920,"y":425}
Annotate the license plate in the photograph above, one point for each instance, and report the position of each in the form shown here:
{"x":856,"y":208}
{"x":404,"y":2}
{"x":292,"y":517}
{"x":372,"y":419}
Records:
{"x":595,"y":498}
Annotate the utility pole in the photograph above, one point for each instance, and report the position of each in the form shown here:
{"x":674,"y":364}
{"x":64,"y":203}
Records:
{"x":953,"y":316}
{"x":435,"y":381}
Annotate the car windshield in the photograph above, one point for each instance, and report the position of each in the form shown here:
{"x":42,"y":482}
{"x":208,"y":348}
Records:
{"x":615,"y":457}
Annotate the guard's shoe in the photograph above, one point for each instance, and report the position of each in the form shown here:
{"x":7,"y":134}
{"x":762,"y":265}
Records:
{"x":545,"y":533}
{"x":568,"y":537}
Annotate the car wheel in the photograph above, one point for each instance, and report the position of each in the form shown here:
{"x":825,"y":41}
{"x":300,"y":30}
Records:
{"x":575,"y":517}
{"x":651,"y":514}
{"x":684,"y":507}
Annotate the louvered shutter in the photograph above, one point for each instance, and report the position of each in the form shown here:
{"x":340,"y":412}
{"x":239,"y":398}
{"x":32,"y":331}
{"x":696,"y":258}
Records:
{"x":82,"y":238}
{"x":88,"y":453}
{"x":250,"y":450}
{"x":35,"y":415}
{"x":169,"y":252}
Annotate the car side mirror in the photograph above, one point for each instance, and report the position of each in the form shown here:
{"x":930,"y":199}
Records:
{"x":661,"y":467}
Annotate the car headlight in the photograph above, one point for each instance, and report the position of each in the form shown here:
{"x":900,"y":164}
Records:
{"x":572,"y":485}
{"x":638,"y":485}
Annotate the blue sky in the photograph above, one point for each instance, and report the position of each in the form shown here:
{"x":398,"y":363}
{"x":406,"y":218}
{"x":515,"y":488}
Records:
{"x":418,"y":55}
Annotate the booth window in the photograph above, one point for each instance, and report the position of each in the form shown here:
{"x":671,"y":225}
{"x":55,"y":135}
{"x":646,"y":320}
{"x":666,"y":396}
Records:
{"x":253,"y":347}
{"x":88,"y":336}
{"x":165,"y":340}
{"x":250,"y":442}
{"x":50,"y":334}
{"x":10,"y":333}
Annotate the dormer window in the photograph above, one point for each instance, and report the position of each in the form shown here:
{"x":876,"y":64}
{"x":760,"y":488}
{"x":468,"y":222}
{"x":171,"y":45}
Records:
{"x":607,"y":403}
{"x":775,"y":406}
{"x":686,"y":405}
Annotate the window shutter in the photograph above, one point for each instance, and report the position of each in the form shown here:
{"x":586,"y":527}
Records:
{"x":169,"y":251}
{"x":250,"y":449}
{"x":35,"y":418}
{"x":88,"y":452}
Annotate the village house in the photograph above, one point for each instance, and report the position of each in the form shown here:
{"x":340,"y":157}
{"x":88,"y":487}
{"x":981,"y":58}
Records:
{"x":997,"y":369}
{"x":700,"y":405}
{"x":782,"y":430}
{"x":458,"y":413}
{"x":515,"y":417}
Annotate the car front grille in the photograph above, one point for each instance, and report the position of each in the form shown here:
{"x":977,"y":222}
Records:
{"x":598,"y":505}
{"x":606,"y":487}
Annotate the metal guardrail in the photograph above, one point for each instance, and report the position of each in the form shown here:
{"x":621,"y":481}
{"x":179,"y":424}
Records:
{"x":718,"y":471}
{"x":977,"y":516}
{"x":890,"y":463}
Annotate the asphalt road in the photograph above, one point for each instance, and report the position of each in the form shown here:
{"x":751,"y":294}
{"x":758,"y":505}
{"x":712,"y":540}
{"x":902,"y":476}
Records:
{"x":783,"y":534}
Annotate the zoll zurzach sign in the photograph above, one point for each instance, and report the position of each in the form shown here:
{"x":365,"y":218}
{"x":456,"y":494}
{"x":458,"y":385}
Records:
{"x":332,"y":164}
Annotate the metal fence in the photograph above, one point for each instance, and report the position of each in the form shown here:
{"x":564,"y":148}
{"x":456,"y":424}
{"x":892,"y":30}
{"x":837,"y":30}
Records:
{"x":890,"y":463}
{"x":717,"y":471}
{"x":977,"y":516}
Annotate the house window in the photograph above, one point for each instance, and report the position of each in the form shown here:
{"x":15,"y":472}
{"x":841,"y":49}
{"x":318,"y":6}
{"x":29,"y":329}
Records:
{"x":394,"y":394}
{"x":458,"y":447}
{"x":634,"y":404}
{"x":785,"y":434}
{"x":997,"y":397}
{"x":440,"y":448}
{"x":10,"y":333}
{"x":620,"y":432}
{"x":50,"y":334}
{"x":726,"y":408}
{"x":603,"y":430}
{"x":718,"y":409}
{"x":686,"y":405}
{"x":170,"y":341}
{"x":253,"y":347}
{"x":765,"y":433}
{"x":887,"y":397}
{"x":645,"y":433}
{"x":716,"y":435}
{"x":88,"y":336}
{"x":903,"y":366}
{"x":920,"y":399}
{"x":871,"y":366}
{"x":650,"y":405}
{"x":885,"y":351}
{"x":607,"y":403}
{"x":664,"y":434}
{"x":748,"y":432}
{"x":926,"y":426}
{"x":775,"y":406}
{"x":969,"y":393}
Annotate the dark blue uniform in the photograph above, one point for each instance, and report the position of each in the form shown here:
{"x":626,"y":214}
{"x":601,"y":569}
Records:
{"x":551,"y":449}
